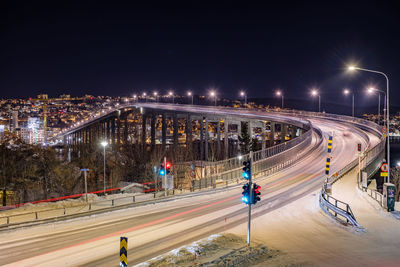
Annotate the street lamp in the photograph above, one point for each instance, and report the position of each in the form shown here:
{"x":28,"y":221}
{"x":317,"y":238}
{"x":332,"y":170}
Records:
{"x":173,"y":97}
{"x":353,"y":68}
{"x":104,"y":144}
{"x":315,"y":92}
{"x":144,"y":95}
{"x":371,"y":90}
{"x":214,"y":94}
{"x":134,"y":97}
{"x":156,"y":96}
{"x":280,"y":93}
{"x":244,"y":95}
{"x":347,"y":92}
{"x":190,"y":94}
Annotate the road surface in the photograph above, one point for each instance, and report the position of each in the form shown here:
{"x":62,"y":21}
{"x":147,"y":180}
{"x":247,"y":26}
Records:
{"x":155,"y":229}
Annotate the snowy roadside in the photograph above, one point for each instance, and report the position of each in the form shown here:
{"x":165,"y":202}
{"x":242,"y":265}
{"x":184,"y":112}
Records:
{"x":221,"y":250}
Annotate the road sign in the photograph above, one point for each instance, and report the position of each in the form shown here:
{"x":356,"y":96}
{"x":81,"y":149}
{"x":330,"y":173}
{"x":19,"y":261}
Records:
{"x":192,"y":167}
{"x":384,"y":167}
{"x":192,"y":174}
{"x":123,"y":251}
{"x":84,"y":170}
{"x":384,"y":130}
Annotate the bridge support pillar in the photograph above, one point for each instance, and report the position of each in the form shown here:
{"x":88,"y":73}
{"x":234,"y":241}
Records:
{"x":153,"y":130}
{"x":189,"y":134}
{"x":272,"y":133}
{"x":175,"y":133}
{"x":263,"y":135}
{"x":283,"y":132}
{"x":113,"y":132}
{"x":218,"y":139}
{"x":163,"y":131}
{"x":144,"y":123}
{"x":226,"y":140}
{"x":206,"y":141}
{"x":201,"y":138}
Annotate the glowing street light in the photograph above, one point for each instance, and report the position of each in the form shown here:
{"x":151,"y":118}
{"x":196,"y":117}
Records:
{"x":191,"y":95}
{"x":314,"y":93}
{"x":353,"y":68}
{"x":173,"y":97}
{"x":214,"y":95}
{"x":244,"y":95}
{"x":280,"y":93}
{"x":372,"y":90}
{"x":347,"y":92}
{"x":144,"y":96}
{"x":104,"y":144}
{"x":156,"y":96}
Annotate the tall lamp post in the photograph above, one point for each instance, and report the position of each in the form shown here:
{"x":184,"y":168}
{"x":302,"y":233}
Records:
{"x":191,"y":95}
{"x":156,"y":96}
{"x":144,"y":95}
{"x":346,"y":92}
{"x":371,"y":90}
{"x":104,"y":144}
{"x":214,"y":95}
{"x":315,"y":92}
{"x":353,"y":68}
{"x":173,"y":97}
{"x":134,"y":98}
{"x":244,"y":95}
{"x":280,"y":93}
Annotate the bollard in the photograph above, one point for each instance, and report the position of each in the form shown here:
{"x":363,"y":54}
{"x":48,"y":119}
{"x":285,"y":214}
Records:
{"x":36,"y":215}
{"x":112,"y":202}
{"x":123,"y":251}
{"x":8,"y":220}
{"x":64,"y":210}
{"x":133,"y":199}
{"x":90,"y":206}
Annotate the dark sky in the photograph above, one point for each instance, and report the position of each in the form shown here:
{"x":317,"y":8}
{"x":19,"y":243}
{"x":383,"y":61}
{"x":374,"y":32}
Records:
{"x":118,"y":49}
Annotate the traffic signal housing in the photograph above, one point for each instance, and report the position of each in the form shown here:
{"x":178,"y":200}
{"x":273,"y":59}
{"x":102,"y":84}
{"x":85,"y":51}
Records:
{"x":246,"y":194}
{"x":246,"y":169}
{"x":256,"y":193}
{"x":359,"y":147}
{"x":161,"y":171}
{"x":168,"y":168}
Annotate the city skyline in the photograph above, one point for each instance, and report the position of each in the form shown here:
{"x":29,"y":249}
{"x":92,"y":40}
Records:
{"x":118,"y":50}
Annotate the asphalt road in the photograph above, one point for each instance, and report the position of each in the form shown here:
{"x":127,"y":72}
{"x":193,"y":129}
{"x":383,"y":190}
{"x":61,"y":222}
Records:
{"x":155,"y":229}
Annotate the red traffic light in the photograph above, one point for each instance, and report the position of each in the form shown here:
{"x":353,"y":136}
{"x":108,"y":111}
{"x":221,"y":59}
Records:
{"x":359,"y":147}
{"x":168,"y":165}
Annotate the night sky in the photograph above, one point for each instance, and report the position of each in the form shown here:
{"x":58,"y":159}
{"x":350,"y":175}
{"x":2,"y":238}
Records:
{"x":117,"y":49}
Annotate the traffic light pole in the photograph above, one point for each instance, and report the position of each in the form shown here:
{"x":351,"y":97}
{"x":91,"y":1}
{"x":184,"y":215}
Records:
{"x":165,"y":176}
{"x":251,"y":197}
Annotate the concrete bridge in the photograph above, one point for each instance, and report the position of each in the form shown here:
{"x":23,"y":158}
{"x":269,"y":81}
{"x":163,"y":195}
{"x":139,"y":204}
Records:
{"x":195,"y":128}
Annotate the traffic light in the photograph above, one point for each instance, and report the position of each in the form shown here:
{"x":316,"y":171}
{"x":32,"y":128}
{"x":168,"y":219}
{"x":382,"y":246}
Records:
{"x":359,"y":147}
{"x":161,"y":172}
{"x":256,"y":193}
{"x":168,"y":168}
{"x":246,"y":194}
{"x":246,"y":169}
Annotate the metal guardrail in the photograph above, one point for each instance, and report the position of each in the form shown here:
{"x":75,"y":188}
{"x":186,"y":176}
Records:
{"x":332,"y":205}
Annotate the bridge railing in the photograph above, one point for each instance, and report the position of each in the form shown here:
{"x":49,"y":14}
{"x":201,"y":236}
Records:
{"x":264,"y":162}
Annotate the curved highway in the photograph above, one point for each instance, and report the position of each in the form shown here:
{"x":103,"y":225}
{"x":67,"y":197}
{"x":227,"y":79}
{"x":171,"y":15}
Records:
{"x":155,"y":229}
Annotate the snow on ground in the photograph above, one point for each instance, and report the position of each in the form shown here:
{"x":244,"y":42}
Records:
{"x":303,"y":231}
{"x":218,"y":250}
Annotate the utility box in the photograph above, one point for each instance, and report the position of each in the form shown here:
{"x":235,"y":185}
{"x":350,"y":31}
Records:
{"x":328,"y":188}
{"x":389,"y":191}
